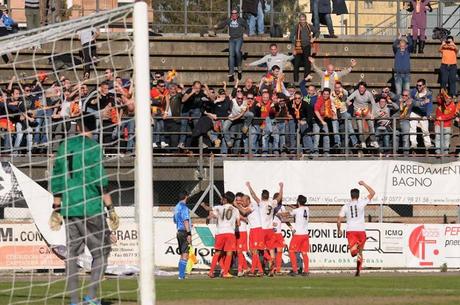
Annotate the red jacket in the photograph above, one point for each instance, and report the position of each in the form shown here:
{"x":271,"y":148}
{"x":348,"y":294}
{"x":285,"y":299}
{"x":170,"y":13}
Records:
{"x":445,"y":113}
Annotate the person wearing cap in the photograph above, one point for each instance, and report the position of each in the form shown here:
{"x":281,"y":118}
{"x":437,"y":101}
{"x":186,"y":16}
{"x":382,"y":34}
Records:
{"x":238,"y":28}
{"x":273,"y":59}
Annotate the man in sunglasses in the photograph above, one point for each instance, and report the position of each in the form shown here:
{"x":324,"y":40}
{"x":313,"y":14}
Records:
{"x":422,"y":110}
{"x":238,"y":28}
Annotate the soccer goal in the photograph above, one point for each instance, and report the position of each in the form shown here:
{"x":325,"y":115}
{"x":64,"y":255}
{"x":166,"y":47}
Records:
{"x":76,"y":198}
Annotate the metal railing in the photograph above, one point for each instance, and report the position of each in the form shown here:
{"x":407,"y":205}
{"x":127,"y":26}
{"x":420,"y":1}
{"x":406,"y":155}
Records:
{"x":280,"y":139}
{"x":365,"y":17}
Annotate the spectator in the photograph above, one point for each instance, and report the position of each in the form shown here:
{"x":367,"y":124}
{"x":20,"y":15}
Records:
{"x":222,"y":109}
{"x":239,"y":115}
{"x":88,"y":43}
{"x":10,"y":25}
{"x":255,"y":12}
{"x":418,"y":23}
{"x":274,"y":124}
{"x":192,"y":109}
{"x":330,"y":76}
{"x":363,"y":105}
{"x":33,"y":15}
{"x":261,"y":110}
{"x":448,"y":69}
{"x":321,"y":10}
{"x":248,"y":88}
{"x":445,"y":113}
{"x":301,"y":113}
{"x":158,"y":107}
{"x":339,"y":96}
{"x":125,"y":111}
{"x":383,"y":128}
{"x":273,"y":59}
{"x":326,"y":113}
{"x":109,"y":78}
{"x":421,"y":111}
{"x":405,"y":105}
{"x":238,"y":28}
{"x":173,"y":111}
{"x":302,"y":39}
{"x":402,"y":48}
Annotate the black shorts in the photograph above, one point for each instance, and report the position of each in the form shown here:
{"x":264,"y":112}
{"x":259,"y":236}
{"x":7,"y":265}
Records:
{"x":182,"y":242}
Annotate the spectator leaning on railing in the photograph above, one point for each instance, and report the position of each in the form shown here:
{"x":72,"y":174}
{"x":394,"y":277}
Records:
{"x":445,"y":113}
{"x":405,"y":105}
{"x":238,"y":28}
{"x":448,"y":69}
{"x":402,"y":48}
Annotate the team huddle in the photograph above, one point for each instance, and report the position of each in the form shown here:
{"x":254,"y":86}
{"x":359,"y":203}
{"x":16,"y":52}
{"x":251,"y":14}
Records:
{"x":247,"y":223}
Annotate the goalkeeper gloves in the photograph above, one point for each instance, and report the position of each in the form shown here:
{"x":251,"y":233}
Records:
{"x":114,"y":220}
{"x":56,"y":219}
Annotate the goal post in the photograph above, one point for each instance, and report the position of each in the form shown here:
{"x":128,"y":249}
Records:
{"x":144,"y":181}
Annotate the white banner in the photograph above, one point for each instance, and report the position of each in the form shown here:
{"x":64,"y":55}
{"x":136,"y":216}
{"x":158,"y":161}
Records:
{"x":388,"y":245}
{"x":329,"y":182}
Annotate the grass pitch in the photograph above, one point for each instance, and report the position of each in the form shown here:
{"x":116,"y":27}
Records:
{"x":343,"y":289}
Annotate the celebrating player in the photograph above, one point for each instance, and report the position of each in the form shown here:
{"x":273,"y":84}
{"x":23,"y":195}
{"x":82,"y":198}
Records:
{"x":227,"y":218}
{"x":266,"y":209}
{"x":278,"y":240}
{"x":356,"y":230}
{"x":300,"y":242}
{"x":80,"y":190}
{"x":241,"y":238}
{"x":256,"y":239}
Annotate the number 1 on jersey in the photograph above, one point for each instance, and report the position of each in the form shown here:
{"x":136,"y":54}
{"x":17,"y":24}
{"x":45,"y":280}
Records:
{"x":353,"y":211}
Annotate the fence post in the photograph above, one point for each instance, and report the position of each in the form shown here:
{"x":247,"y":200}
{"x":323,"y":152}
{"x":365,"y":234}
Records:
{"x":439,"y":13}
{"x":395,"y":145}
{"x":211,"y":180}
{"x":398,"y":16}
{"x":200,"y":143}
{"x":441,"y":142}
{"x":381,"y":213}
{"x":272,"y":14}
{"x":249,"y":143}
{"x":347,"y":150}
{"x":356,"y":18}
{"x":185,"y":17}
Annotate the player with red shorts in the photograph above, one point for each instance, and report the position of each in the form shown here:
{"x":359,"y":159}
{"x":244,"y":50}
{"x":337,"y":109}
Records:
{"x":228,"y":217}
{"x":241,"y":238}
{"x":356,"y":229}
{"x":266,"y":209}
{"x":300,"y":241}
{"x":256,"y":239}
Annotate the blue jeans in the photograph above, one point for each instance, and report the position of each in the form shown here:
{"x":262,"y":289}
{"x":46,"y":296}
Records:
{"x":370,"y":124}
{"x":307,"y":141}
{"x":260,"y":21}
{"x":20,"y":130}
{"x":185,"y":123}
{"x":158,"y":129}
{"x":405,"y":130}
{"x":291,"y":134}
{"x":319,"y":131}
{"x":402,"y":81}
{"x":43,"y":126}
{"x":383,"y":136}
{"x":272,"y":130}
{"x":346,"y":116}
{"x":449,"y":77}
{"x":447,"y":132}
{"x":118,"y":132}
{"x":254,"y":137}
{"x":335,"y":131}
{"x":234,"y":57}
{"x":327,"y":17}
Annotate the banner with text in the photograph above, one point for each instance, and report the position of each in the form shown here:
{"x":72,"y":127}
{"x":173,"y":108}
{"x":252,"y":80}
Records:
{"x":329,"y":182}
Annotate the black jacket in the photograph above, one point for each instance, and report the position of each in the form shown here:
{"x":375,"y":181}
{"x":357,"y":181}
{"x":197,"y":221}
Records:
{"x":339,"y":7}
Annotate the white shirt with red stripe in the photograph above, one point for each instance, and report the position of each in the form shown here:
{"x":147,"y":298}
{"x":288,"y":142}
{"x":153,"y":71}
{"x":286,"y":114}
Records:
{"x":277,"y":221}
{"x":226,"y":215}
{"x":254,"y":216}
{"x":266,"y":209}
{"x":302,"y":216}
{"x":354,"y":212}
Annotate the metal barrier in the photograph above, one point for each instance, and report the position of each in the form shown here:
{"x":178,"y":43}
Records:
{"x":365,"y":17}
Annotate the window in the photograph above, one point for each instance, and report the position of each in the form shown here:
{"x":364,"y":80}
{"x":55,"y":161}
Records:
{"x":368,"y":4}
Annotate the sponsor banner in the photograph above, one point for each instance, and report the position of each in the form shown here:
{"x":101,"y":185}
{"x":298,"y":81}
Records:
{"x":22,"y":246}
{"x":388,"y":245}
{"x":395,"y":182}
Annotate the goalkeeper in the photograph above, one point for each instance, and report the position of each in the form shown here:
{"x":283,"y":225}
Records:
{"x":79,"y":186}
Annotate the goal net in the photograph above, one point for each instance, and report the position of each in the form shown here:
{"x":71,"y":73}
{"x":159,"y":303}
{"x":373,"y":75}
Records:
{"x":68,"y":109}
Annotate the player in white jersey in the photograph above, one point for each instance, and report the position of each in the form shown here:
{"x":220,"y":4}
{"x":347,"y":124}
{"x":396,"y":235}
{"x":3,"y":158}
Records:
{"x":300,"y":241}
{"x":266,"y":209}
{"x":228,"y":218}
{"x":256,"y":244}
{"x":356,"y":229}
{"x":278,"y":240}
{"x":241,"y":238}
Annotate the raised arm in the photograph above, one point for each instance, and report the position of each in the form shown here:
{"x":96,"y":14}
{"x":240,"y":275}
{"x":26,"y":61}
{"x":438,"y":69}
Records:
{"x":279,"y":198}
{"x":369,"y":189}
{"x":253,"y":194}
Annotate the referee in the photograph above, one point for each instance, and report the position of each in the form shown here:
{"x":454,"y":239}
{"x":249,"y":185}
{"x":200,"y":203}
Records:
{"x":184,"y":234}
{"x":79,"y":186}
